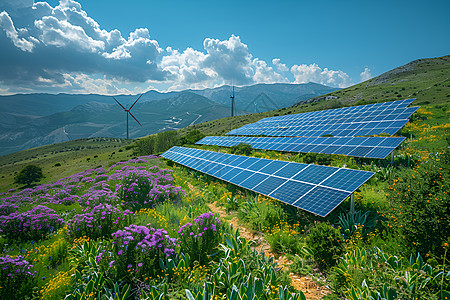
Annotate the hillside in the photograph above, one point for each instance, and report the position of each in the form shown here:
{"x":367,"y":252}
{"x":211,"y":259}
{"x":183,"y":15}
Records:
{"x":34,"y":120}
{"x":427,"y":80}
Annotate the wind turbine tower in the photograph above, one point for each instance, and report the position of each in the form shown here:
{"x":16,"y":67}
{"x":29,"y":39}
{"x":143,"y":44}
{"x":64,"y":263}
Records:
{"x":232,"y":102}
{"x":129,"y":113}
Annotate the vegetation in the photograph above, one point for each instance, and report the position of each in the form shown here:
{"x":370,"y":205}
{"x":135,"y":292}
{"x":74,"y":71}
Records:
{"x":28,"y":175}
{"x":107,"y":225}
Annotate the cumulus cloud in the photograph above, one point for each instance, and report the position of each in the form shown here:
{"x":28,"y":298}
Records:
{"x":313,"y":73}
{"x":365,"y":75}
{"x":65,"y":40}
{"x":221,"y":62}
{"x":63,"y":49}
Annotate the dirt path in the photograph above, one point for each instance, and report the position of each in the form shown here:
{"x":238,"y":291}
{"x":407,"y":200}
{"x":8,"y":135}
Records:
{"x":301,"y":283}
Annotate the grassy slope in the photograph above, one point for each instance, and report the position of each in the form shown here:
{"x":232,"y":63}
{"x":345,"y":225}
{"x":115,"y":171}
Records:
{"x":74,"y":156}
{"x":428,"y":80}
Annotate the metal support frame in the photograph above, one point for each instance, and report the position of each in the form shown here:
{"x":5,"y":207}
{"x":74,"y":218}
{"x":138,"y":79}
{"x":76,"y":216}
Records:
{"x":352,"y":203}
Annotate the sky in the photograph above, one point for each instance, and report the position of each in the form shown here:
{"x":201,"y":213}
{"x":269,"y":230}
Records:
{"x":129,"y":47}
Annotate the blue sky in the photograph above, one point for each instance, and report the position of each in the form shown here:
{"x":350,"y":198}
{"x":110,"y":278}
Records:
{"x":111,"y":47}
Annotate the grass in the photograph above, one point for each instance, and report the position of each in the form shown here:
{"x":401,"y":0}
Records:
{"x":73,"y":157}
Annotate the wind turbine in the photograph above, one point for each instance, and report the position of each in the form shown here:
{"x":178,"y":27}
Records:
{"x":232,"y":102}
{"x":128,"y":111}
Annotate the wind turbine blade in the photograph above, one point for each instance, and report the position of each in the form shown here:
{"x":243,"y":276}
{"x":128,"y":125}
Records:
{"x":119,"y":103}
{"x":134,"y":117}
{"x":135,"y":102}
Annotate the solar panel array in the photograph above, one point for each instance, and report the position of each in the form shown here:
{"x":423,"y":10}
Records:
{"x":317,"y":189}
{"x":373,"y":119}
{"x":370,"y":147}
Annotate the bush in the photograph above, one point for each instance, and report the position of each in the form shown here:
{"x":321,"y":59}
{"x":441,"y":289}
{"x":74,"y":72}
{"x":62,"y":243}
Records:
{"x":261,"y":215}
{"x":144,"y":189}
{"x":326,"y":244}
{"x":419,"y":210}
{"x":284,"y":241}
{"x":100,"y":221}
{"x":30,"y":225}
{"x":192,"y":137}
{"x":29,"y":174}
{"x":320,"y":159}
{"x":241,"y":149}
{"x":201,"y":238}
{"x":136,"y":252}
{"x":16,"y":278}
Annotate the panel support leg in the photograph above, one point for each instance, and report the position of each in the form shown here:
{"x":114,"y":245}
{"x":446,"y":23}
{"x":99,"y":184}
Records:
{"x":392,"y":157}
{"x":352,"y":203}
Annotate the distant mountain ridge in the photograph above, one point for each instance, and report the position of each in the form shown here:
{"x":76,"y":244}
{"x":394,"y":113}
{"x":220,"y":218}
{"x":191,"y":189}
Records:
{"x":31,"y":120}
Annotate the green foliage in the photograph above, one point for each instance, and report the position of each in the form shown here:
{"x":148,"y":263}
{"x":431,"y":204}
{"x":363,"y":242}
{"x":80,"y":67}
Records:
{"x":349,"y":223}
{"x":156,"y":143}
{"x":301,"y":266}
{"x":192,"y":137}
{"x":326,"y":244}
{"x":260,"y":215}
{"x":29,"y":174}
{"x":241,"y":149}
{"x":373,"y":274}
{"x":201,"y":238}
{"x":317,"y":158}
{"x":284,"y":241}
{"x":419,"y":210}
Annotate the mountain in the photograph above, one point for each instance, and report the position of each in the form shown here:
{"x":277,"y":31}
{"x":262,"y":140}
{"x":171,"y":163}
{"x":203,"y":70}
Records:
{"x":97,"y":119}
{"x":31,"y":120}
{"x":265,"y":97}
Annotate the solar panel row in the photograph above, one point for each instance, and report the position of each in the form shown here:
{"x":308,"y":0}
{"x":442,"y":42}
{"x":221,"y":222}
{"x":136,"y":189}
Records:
{"x":387,"y":117}
{"x":370,"y":147}
{"x":317,"y":189}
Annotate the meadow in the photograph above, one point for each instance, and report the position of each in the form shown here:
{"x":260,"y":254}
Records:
{"x":110,"y":221}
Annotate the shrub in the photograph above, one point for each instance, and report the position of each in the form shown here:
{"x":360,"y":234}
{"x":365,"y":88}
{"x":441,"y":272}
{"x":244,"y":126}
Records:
{"x":326,"y":244}
{"x":7,"y":208}
{"x":241,"y":149}
{"x":143,"y":189}
{"x":261,"y":215}
{"x":30,"y":225}
{"x":282,"y":240}
{"x":29,"y":174}
{"x":320,"y":159}
{"x":16,"y":278}
{"x":100,"y":221}
{"x":192,"y":137}
{"x":201,"y":238}
{"x":136,"y":251}
{"x":419,"y":207}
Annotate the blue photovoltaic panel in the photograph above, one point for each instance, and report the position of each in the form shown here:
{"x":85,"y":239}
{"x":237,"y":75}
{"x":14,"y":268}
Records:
{"x":373,"y":119}
{"x":370,"y":147}
{"x":317,"y":189}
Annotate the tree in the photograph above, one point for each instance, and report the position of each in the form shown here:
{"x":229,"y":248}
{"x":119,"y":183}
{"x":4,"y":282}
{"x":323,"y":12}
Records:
{"x":29,"y":174}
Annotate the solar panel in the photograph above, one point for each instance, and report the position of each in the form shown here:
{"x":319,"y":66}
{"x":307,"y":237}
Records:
{"x":370,"y":147}
{"x":317,"y":189}
{"x":373,"y":119}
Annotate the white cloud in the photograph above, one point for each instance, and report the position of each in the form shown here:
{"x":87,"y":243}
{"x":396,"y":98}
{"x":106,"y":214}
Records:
{"x":313,"y":73}
{"x":63,"y":49}
{"x":24,"y":44}
{"x":365,"y":75}
{"x":280,"y":66}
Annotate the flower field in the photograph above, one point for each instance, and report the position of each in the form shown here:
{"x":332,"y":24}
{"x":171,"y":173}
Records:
{"x":143,"y":229}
